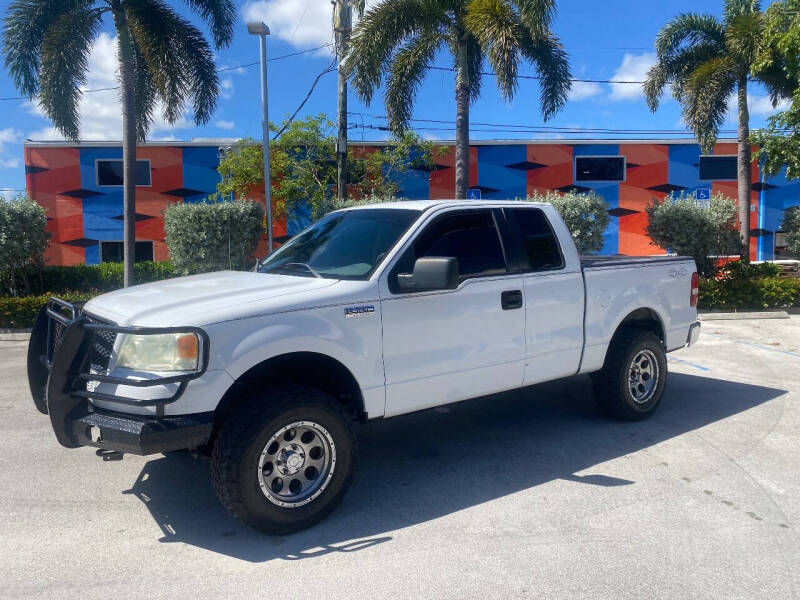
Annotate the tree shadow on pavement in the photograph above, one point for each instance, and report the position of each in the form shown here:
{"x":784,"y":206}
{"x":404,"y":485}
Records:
{"x":419,"y":467}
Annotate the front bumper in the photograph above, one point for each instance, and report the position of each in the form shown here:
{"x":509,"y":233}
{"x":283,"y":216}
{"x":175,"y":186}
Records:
{"x":63,"y":383}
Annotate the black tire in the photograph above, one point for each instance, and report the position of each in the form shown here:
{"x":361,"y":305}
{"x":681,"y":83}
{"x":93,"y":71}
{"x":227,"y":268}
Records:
{"x":612,"y":387}
{"x":244,"y":437}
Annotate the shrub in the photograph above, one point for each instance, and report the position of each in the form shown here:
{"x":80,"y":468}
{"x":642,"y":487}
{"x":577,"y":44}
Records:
{"x":738,"y":270}
{"x":758,"y":293}
{"x":23,"y":239}
{"x":791,"y":224}
{"x":677,"y":224}
{"x":104,"y":277}
{"x":586,"y":217}
{"x":213,"y":236}
{"x":334,"y":203}
{"x":20,"y":313}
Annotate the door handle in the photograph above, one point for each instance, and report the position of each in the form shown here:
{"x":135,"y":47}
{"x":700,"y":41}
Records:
{"x":511,"y":299}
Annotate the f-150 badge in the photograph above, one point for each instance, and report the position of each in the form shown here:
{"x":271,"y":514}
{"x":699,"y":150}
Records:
{"x":359,"y":311}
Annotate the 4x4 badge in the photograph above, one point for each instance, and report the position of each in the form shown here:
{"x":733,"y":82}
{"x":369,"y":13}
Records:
{"x":359,"y":311}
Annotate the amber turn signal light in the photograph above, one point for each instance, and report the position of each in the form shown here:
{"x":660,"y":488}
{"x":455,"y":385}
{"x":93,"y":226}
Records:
{"x":188,"y":346}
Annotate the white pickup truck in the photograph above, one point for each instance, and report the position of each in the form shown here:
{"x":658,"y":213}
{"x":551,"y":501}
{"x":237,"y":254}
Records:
{"x":369,"y":313}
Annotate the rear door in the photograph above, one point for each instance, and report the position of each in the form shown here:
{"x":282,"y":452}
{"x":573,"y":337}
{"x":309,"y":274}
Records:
{"x":553,"y":290}
{"x":445,"y":346}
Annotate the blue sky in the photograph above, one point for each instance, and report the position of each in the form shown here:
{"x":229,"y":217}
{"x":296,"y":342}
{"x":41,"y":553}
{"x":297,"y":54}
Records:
{"x":605,"y":40}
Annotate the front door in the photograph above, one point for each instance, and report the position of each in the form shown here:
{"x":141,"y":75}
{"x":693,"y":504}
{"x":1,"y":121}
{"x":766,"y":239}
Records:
{"x":446,"y":346}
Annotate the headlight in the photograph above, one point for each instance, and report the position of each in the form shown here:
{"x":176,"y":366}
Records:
{"x":159,"y":352}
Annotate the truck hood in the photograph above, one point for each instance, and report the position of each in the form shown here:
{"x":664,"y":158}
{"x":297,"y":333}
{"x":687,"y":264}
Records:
{"x":202,"y":299}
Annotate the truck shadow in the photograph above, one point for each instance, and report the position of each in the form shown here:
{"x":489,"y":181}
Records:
{"x":419,"y":467}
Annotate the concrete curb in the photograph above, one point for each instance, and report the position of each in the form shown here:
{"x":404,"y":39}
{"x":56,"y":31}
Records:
{"x":15,"y":335}
{"x":740,"y":316}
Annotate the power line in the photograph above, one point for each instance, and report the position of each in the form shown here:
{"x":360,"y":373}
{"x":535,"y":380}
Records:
{"x":222,"y":70}
{"x":537,"y":78}
{"x":537,"y":128}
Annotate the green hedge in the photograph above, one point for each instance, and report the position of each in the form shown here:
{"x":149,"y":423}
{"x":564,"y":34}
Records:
{"x":104,"y":277}
{"x":17,"y":313}
{"x":743,"y":294}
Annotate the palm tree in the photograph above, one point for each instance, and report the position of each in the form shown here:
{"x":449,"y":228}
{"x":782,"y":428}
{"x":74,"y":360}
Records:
{"x":162,"y":57}
{"x":706,"y":60}
{"x":401,"y":38}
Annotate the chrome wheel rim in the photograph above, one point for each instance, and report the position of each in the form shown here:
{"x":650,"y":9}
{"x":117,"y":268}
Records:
{"x":296,"y":464}
{"x":643,"y":376}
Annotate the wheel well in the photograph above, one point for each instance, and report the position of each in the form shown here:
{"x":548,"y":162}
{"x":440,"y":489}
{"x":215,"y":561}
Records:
{"x":643,"y":318}
{"x":307,"y":368}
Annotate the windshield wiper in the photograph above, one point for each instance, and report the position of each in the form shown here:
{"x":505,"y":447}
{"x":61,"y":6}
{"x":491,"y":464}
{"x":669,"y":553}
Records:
{"x":308,"y":268}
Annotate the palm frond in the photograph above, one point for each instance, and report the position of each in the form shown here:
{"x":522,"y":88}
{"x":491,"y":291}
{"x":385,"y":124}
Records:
{"x":689,"y":29}
{"x":380,"y":31}
{"x":220,"y":16}
{"x":24,"y":29}
{"x":406,"y":73}
{"x":781,"y":83}
{"x":359,"y":6}
{"x":497,"y":28}
{"x":144,"y":92}
{"x":706,"y":94}
{"x":552,"y":66}
{"x":675,"y":69}
{"x":743,"y":36}
{"x":536,"y":15}
{"x":734,"y":9}
{"x":65,"y":53}
{"x":474,"y":68}
{"x":178,"y":58}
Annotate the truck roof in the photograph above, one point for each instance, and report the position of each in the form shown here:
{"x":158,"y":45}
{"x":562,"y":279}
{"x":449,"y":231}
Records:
{"x":424,"y":205}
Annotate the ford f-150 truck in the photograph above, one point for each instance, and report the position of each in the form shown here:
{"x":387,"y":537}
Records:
{"x":369,"y":313}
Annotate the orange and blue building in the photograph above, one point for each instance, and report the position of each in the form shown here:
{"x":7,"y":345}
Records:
{"x":79,"y":185}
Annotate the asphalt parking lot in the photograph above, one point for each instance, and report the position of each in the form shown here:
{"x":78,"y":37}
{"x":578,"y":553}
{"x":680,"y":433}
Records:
{"x":529,"y":494}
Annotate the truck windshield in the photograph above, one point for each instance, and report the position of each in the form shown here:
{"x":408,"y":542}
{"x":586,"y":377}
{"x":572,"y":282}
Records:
{"x":342,"y":245}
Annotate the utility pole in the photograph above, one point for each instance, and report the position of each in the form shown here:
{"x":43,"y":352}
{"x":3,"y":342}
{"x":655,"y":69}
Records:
{"x":342,"y":28}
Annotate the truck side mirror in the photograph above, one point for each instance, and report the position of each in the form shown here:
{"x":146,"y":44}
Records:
{"x":430,"y":273}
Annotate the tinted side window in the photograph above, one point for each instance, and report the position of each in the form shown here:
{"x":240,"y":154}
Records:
{"x":539,"y":240}
{"x":471,"y":237}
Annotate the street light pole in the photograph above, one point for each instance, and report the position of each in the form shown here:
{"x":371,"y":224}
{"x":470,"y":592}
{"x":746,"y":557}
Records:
{"x":342,"y":27}
{"x":262,"y":31}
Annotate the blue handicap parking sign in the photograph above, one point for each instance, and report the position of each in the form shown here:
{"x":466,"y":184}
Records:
{"x":703,"y":194}
{"x":473,"y":194}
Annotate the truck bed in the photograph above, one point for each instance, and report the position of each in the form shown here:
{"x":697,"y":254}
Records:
{"x":621,"y":260}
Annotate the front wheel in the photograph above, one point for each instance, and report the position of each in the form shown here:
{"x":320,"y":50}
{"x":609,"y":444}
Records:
{"x":632,"y":381}
{"x":285,"y":460}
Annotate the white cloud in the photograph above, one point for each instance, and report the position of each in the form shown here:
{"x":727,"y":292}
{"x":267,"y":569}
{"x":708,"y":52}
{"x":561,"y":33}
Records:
{"x":759,"y":105}
{"x":8,"y":194}
{"x":226,"y":88}
{"x":100,"y":112}
{"x":9,"y":163}
{"x":582,"y":90}
{"x":9,"y":135}
{"x":302,"y":23}
{"x":634,"y":67}
{"x":222,"y":124}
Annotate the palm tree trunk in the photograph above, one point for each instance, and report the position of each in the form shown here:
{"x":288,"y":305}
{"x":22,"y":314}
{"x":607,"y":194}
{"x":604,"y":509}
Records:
{"x":744,"y":161}
{"x":128,"y":145}
{"x":462,"y":121}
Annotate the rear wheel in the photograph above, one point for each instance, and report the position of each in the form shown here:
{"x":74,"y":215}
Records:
{"x":285,"y":460}
{"x":632,"y":381}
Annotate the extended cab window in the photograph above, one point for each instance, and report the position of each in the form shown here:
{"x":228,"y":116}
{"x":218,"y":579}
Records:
{"x":348,"y":244}
{"x":471,"y":237}
{"x":538,"y":239}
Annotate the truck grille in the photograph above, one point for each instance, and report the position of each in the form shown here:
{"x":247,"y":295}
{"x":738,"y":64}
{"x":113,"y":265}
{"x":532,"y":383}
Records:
{"x":100,"y":348}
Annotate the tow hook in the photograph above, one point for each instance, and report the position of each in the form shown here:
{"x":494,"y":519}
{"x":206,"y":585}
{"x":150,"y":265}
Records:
{"x":108,"y":455}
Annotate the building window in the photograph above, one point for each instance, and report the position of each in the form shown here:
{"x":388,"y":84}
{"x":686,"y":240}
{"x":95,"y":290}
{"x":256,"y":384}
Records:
{"x":599,"y":168}
{"x":109,"y":172}
{"x":718,"y":168}
{"x":112,"y":252}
